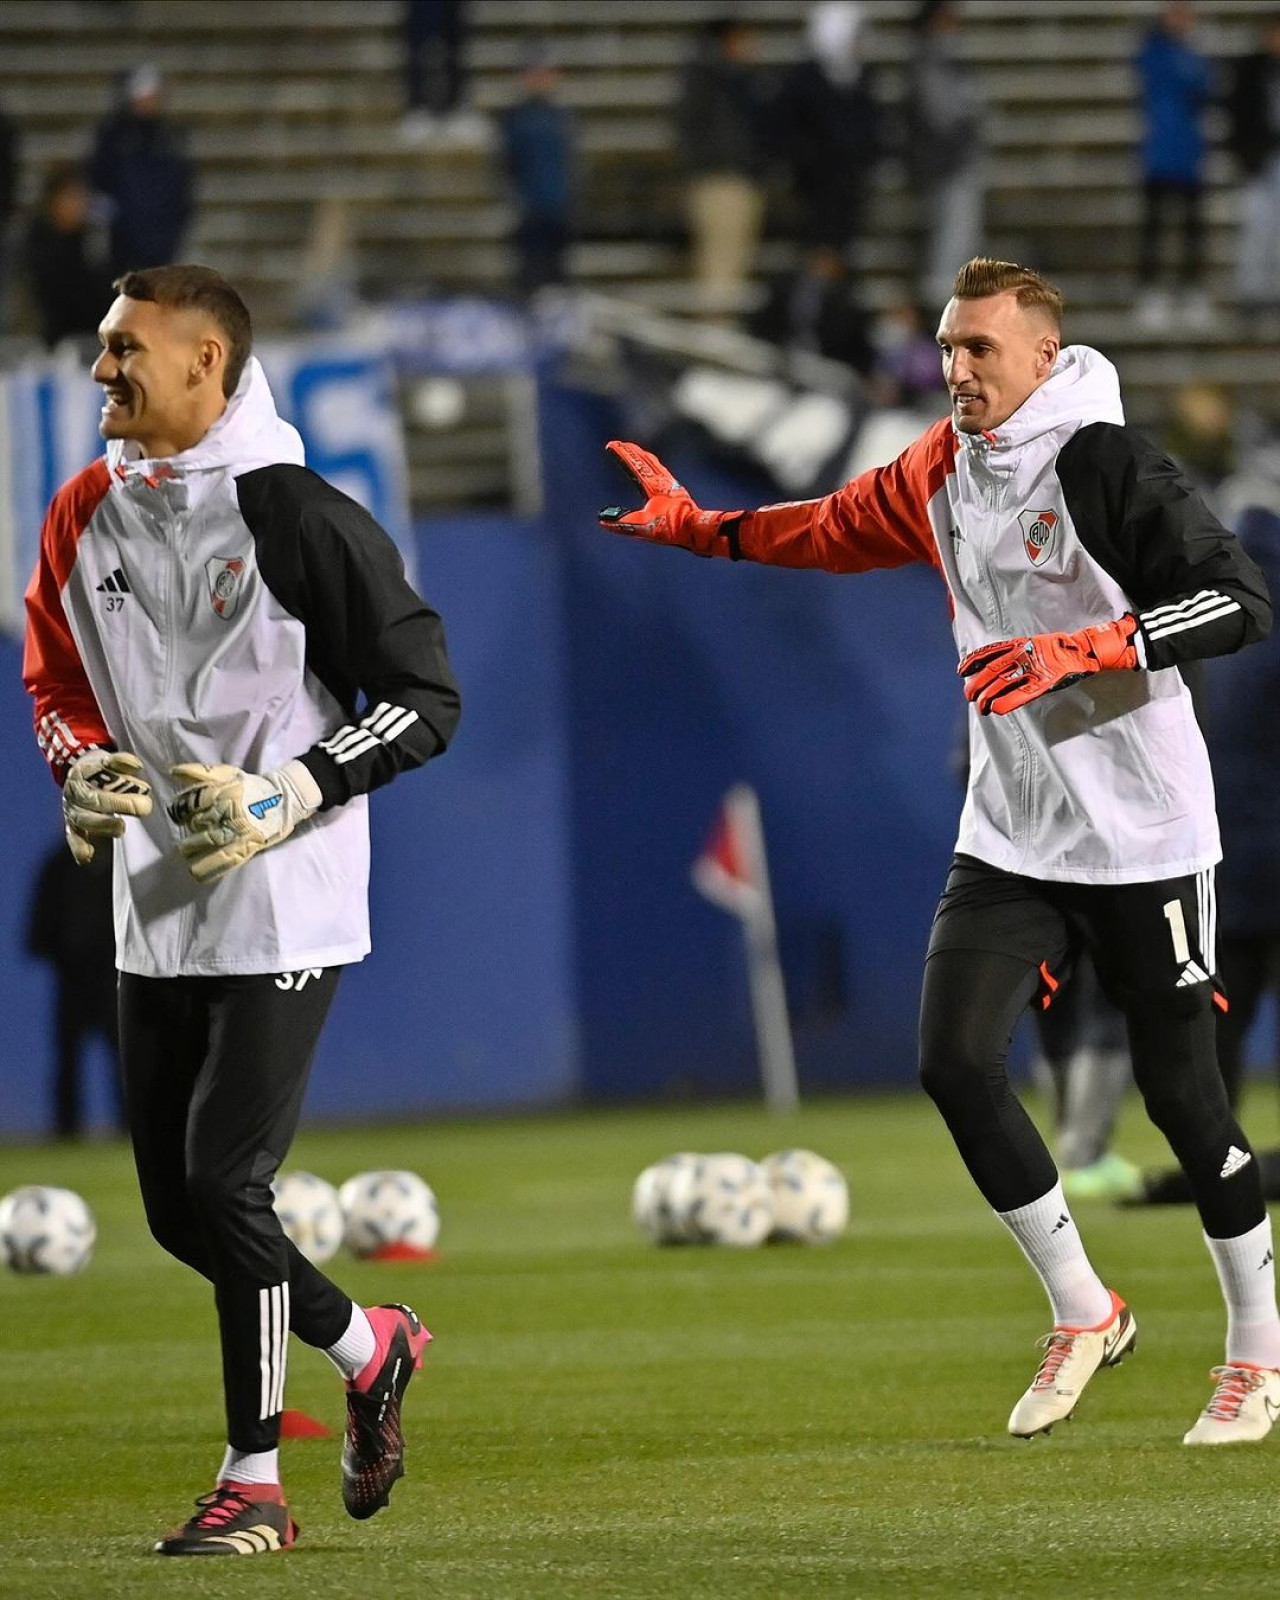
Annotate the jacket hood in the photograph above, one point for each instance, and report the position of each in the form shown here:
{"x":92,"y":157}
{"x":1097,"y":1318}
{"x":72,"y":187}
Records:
{"x":250,"y":433}
{"x":1082,"y":387}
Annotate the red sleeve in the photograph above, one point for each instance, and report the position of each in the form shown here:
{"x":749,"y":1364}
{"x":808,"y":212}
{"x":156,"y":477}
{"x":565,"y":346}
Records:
{"x":879,"y":519}
{"x":67,"y":717}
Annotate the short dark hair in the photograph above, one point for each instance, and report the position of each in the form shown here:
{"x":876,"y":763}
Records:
{"x":982,"y":277}
{"x":187,"y":287}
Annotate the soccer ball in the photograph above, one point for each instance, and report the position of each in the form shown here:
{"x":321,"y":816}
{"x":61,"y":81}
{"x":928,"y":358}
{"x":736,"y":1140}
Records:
{"x":729,"y":1202}
{"x":43,"y":1229}
{"x":810,"y":1196}
{"x":660,"y":1198}
{"x":385,"y":1208}
{"x":309,"y":1213}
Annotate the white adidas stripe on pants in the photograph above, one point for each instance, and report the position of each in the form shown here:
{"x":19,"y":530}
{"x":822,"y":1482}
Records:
{"x":273,"y":1343}
{"x":1207,"y":917}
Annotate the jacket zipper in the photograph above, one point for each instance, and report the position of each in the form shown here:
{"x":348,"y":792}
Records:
{"x":170,"y":537}
{"x":995,"y":496}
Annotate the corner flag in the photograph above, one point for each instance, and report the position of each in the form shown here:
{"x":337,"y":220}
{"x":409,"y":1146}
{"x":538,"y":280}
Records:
{"x":733,"y":873}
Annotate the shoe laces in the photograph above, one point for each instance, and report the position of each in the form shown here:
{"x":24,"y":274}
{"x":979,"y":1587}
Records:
{"x":219,"y":1507}
{"x":1234,"y":1386}
{"x":1057,"y":1345}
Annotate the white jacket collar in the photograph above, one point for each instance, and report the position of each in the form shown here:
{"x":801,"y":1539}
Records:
{"x":250,"y":433}
{"x":1083,"y":387}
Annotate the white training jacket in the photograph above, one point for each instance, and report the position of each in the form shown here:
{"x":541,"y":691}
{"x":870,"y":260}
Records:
{"x":227,"y":605}
{"x":1060,"y":518}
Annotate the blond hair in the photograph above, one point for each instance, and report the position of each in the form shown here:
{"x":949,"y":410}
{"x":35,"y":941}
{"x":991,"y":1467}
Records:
{"x":982,"y":277}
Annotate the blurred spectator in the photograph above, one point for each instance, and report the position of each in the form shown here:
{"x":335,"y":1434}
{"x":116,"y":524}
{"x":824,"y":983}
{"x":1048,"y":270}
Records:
{"x":1174,"y":87}
{"x":945,"y":149}
{"x":817,"y":309}
{"x":140,"y":164}
{"x":8,"y":210}
{"x":907,"y":371}
{"x":326,"y":293}
{"x":719,"y":130}
{"x":827,"y":124}
{"x":68,"y":283}
{"x":540,"y":146}
{"x":1201,"y":433}
{"x":70,"y":925}
{"x":1253,"y":107}
{"x":435,"y":75}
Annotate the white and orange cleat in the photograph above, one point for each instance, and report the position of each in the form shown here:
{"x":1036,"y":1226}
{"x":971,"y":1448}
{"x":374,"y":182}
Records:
{"x":1246,"y":1401}
{"x":1071,"y":1357}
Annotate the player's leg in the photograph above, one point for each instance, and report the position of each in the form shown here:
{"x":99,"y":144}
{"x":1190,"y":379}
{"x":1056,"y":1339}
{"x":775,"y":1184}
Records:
{"x":163,"y":1038}
{"x":1154,"y":947}
{"x":242,"y":1110}
{"x":243,"y":1115}
{"x":990,"y":938}
{"x":262,"y":1033}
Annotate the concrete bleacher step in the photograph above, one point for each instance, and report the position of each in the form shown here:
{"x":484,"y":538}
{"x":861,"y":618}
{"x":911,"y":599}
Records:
{"x":291,"y":105}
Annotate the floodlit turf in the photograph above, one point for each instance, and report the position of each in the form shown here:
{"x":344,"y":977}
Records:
{"x":601,"y":1418}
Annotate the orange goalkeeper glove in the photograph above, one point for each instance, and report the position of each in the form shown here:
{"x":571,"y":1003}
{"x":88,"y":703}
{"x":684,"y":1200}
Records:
{"x":669,"y":514}
{"x":1006,"y":675}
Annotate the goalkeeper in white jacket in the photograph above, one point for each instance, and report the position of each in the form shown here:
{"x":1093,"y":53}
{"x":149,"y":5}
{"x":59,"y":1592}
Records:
{"x":212,"y":625}
{"x":1081,"y":569}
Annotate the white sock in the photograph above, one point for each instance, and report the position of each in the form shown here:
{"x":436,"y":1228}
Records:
{"x":1051,"y":1244}
{"x":259,"y":1466}
{"x":1247,"y":1272}
{"x":357,"y":1346}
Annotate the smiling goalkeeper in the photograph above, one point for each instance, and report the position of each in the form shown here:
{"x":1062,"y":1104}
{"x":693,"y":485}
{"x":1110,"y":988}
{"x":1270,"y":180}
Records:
{"x":211,"y":622}
{"x":1081,"y":568}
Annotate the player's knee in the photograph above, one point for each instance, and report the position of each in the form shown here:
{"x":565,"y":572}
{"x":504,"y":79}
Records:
{"x":172,"y":1229}
{"x":949,"y":1067}
{"x":214,"y":1195}
{"x":228,"y":1202}
{"x":1179,"y":1106}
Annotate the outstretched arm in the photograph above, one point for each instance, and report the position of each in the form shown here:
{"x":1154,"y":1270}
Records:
{"x":878,"y":519}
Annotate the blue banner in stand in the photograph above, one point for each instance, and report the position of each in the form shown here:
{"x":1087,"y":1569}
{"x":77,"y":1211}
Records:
{"x":340,"y":397}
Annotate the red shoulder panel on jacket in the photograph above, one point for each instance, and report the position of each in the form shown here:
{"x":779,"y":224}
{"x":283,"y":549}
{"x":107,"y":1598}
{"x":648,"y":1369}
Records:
{"x":69,"y":513}
{"x":67,"y":716}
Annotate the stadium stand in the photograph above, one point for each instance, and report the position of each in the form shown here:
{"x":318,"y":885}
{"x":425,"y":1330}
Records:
{"x":290,"y":105}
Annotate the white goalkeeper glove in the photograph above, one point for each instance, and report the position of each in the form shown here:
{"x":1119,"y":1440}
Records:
{"x":227,"y":815}
{"x":101,"y":789}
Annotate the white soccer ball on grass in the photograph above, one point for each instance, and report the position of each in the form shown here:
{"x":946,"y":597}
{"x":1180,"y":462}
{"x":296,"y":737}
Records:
{"x":388,"y":1208}
{"x":810,"y":1196}
{"x":661,"y":1196}
{"x":729,"y":1202}
{"x":310,"y":1214}
{"x":46,"y":1229}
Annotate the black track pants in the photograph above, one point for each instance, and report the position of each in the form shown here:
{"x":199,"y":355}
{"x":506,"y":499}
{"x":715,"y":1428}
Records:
{"x":214,"y":1074}
{"x":1001,"y":942}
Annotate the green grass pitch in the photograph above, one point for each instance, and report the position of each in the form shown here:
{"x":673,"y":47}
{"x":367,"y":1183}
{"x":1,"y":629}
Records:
{"x":601,"y":1418}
